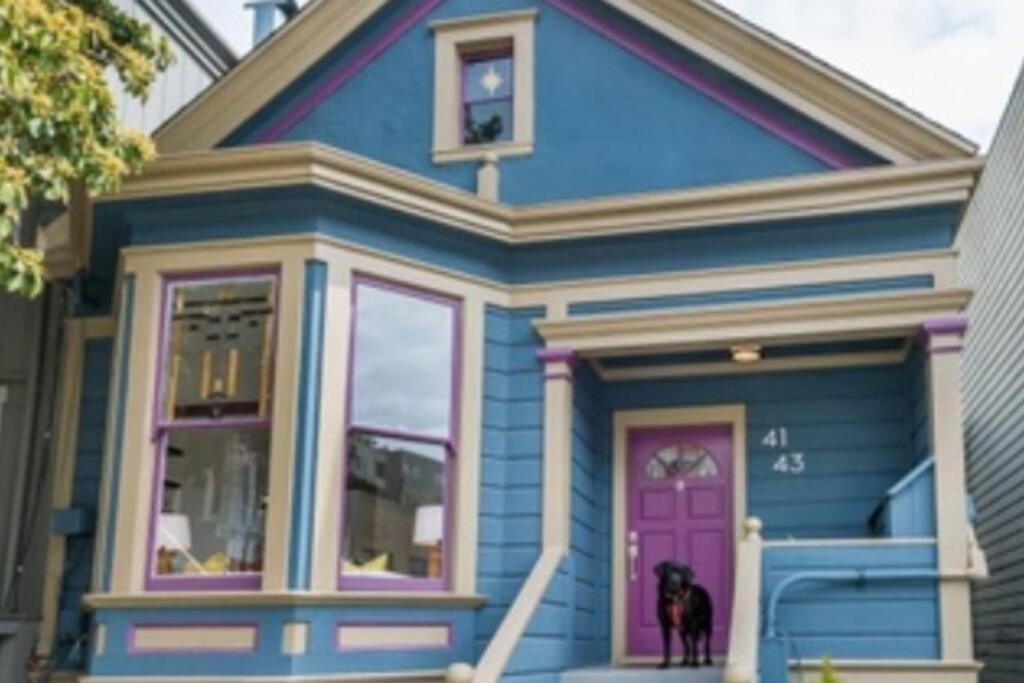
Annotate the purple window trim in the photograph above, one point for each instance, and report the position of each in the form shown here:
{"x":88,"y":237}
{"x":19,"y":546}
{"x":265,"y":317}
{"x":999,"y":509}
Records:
{"x":357,"y":583}
{"x":132,"y":647}
{"x":469,"y":57}
{"x":819,"y":149}
{"x":448,"y":626}
{"x":248,"y":581}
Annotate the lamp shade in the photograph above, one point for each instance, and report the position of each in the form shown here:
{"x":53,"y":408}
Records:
{"x":429,"y":527}
{"x":174,"y":532}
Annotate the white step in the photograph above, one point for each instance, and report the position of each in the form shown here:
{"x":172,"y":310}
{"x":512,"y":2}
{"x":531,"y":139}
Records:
{"x":677,"y":674}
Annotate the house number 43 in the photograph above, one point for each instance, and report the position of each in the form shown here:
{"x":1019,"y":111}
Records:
{"x":785,"y":463}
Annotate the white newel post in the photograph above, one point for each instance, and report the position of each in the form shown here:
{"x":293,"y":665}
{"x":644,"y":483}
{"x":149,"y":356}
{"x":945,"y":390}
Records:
{"x":943,"y":341}
{"x":558,"y":387}
{"x":741,"y":663}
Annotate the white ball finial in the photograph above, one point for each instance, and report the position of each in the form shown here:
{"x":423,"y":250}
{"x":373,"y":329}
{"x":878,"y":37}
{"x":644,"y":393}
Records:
{"x":459,"y":673}
{"x":753,"y":527}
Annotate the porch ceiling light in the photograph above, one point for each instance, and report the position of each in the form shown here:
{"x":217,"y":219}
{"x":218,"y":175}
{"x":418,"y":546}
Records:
{"x":746,"y":353}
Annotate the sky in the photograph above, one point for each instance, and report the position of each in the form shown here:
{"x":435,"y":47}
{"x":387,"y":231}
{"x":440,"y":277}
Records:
{"x":953,"y":60}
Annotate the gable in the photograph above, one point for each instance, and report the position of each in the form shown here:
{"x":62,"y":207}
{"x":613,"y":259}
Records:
{"x":620,"y":109}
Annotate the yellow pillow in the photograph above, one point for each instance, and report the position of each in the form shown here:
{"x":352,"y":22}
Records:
{"x":377,"y":564}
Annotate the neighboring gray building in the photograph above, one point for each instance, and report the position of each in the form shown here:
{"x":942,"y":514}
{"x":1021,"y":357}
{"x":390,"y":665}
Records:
{"x":991,"y":241}
{"x":32,"y":344}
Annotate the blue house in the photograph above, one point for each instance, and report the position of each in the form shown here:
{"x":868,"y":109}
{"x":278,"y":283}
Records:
{"x":440,"y":324}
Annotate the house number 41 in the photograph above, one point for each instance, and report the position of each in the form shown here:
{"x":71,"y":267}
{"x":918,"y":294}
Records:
{"x":786,"y":463}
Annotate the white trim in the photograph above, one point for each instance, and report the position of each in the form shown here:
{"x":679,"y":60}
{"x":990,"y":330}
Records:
{"x":832,"y":360}
{"x":419,"y":676}
{"x":385,"y":637}
{"x":215,"y":599}
{"x":452,"y":37}
{"x":847,"y":317}
{"x":310,"y":163}
{"x":846,"y":542}
{"x":623,"y":421}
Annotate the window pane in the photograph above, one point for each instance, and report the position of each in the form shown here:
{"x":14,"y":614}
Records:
{"x":394,"y":509}
{"x":488,"y":122}
{"x":488,"y":79}
{"x":402,"y":374}
{"x":218,"y":349}
{"x":212,"y":505}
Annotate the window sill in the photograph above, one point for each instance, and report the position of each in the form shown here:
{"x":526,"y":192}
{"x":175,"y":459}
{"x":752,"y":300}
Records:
{"x":96,"y":601}
{"x":477,"y":152}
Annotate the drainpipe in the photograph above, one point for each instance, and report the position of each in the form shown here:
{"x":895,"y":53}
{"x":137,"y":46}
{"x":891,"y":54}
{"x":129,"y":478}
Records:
{"x":266,"y":14}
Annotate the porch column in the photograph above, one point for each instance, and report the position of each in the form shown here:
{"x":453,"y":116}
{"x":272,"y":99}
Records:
{"x":558,"y":378}
{"x":943,"y":340}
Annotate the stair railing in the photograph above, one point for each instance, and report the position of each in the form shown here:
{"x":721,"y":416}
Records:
{"x":741,"y":663}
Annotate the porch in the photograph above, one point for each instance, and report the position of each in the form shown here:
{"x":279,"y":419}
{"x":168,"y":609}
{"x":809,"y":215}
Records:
{"x":840,"y":433}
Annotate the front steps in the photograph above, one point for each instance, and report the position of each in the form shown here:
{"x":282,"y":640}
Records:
{"x":607,"y":674}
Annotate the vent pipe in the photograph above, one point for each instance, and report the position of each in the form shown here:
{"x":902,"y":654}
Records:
{"x":268,"y":15}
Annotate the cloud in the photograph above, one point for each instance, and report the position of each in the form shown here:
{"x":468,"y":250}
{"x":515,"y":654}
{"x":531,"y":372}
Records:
{"x":953,"y":60}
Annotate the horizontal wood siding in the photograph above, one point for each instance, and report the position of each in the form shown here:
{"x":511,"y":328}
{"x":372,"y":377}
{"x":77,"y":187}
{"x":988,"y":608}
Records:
{"x":591,"y":521}
{"x":510,"y":498}
{"x":991,"y":241}
{"x":72,"y":619}
{"x":851,"y":425}
{"x":851,"y":619}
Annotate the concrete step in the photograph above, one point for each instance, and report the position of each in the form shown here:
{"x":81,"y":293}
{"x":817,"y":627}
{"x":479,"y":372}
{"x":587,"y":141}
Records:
{"x":709,"y":674}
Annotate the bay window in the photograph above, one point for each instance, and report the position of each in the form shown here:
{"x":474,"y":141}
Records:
{"x":212,"y":432}
{"x":400,"y":438}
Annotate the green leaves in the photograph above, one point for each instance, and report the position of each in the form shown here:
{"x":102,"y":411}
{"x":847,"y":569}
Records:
{"x":58,"y":121}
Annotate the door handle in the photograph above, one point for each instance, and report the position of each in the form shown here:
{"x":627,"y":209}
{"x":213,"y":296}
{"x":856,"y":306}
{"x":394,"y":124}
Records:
{"x":634,"y":554}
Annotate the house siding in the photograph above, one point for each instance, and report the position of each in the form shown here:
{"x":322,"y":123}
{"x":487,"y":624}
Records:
{"x":991,"y":241}
{"x":850,"y":424}
{"x":510,"y":493}
{"x":589,"y":92}
{"x":72,"y":618}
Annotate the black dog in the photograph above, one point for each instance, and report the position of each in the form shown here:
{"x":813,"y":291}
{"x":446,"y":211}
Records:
{"x":685,"y":607}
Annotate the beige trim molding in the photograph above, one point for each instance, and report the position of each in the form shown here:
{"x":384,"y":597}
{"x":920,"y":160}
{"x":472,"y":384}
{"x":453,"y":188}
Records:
{"x":100,"y":601}
{"x":820,"y":92}
{"x":622,"y":422}
{"x":263,"y":74}
{"x":823,"y":93}
{"x":452,"y":37}
{"x":839,"y":317}
{"x":305,"y":163}
{"x":400,"y":677}
{"x":831,"y":360}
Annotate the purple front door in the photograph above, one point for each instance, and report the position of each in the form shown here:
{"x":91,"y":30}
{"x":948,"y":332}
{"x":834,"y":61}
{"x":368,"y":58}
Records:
{"x":679,"y":507}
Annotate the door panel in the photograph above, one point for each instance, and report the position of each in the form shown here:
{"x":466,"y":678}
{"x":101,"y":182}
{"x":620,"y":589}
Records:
{"x":679,"y":507}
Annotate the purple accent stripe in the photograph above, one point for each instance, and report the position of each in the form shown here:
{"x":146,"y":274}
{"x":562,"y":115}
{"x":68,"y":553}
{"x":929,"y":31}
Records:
{"x":712,"y":90}
{"x":556,"y":354}
{"x":348,"y":71}
{"x":952,"y":324}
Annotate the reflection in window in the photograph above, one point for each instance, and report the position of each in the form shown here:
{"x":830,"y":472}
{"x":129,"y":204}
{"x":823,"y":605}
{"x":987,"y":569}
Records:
{"x":487,"y":97}
{"x":686,"y":459}
{"x":400,"y":438}
{"x":212,"y":509}
{"x":213,"y":432}
{"x":217,"y":362}
{"x":394,"y":505}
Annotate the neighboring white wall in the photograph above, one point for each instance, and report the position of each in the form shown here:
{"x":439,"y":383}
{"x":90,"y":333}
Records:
{"x":991,"y":240}
{"x":200,"y":60}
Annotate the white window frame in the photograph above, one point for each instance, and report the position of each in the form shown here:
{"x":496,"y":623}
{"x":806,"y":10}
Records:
{"x":453,"y":38}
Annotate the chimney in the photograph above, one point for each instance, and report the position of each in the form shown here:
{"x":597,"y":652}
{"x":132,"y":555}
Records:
{"x":268,"y":15}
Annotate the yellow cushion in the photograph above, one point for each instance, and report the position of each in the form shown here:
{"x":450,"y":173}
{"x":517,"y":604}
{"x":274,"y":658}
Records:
{"x":377,"y":564}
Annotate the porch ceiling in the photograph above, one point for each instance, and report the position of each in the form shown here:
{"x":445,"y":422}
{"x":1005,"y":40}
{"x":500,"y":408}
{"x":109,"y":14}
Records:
{"x":773,"y":324}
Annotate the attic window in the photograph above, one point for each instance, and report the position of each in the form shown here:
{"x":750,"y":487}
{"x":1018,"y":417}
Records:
{"x":488,"y":99}
{"x":483,"y":98}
